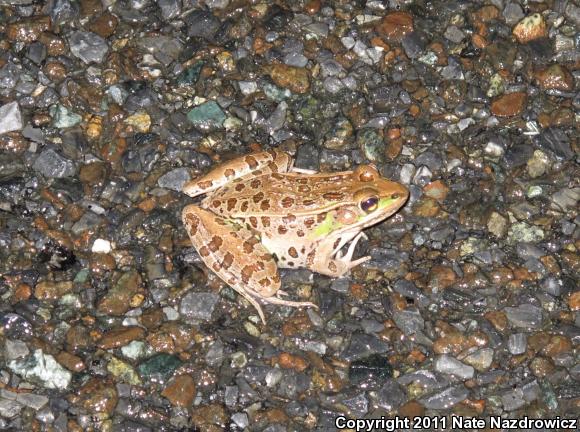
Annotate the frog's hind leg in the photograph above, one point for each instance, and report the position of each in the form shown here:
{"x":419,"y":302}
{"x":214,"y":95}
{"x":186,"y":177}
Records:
{"x":236,"y":255}
{"x":265,"y":162}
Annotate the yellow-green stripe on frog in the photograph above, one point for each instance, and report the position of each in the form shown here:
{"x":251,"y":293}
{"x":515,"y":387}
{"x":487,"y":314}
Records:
{"x":260,"y":214}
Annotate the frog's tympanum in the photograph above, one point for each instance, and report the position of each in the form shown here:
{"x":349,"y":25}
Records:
{"x":260,"y":213}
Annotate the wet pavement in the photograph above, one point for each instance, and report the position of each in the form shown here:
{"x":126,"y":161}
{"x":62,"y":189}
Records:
{"x":470,"y":304}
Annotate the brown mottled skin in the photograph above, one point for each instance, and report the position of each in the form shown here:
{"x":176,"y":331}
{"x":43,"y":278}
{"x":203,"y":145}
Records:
{"x":260,"y":214}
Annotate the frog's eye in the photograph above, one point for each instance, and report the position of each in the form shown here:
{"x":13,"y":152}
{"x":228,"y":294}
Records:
{"x":370,"y":204}
{"x":395,"y":196}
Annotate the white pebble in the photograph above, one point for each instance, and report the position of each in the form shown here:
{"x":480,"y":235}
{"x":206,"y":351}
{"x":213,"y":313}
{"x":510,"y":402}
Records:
{"x":101,"y":246}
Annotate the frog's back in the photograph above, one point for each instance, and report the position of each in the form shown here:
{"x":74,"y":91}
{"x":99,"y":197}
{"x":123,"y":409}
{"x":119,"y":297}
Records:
{"x":280,"y":194}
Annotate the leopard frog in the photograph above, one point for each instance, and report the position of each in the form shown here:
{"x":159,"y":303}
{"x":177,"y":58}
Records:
{"x":260,"y":213}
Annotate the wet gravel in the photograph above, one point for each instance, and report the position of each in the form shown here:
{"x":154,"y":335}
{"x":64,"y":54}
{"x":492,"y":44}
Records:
{"x":470,"y":305}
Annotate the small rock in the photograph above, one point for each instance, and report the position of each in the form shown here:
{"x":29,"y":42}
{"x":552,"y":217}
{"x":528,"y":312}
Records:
{"x":88,"y":46}
{"x":207,"y":116}
{"x":15,"y":349}
{"x":180,"y":391}
{"x":374,"y":367}
{"x":481,"y":359}
{"x":295,"y":79}
{"x":530,"y":28}
{"x":10,"y":118}
{"x":395,"y":25}
{"x":118,"y":299}
{"x":159,"y":367}
{"x":141,"y":121}
{"x":445,"y":399}
{"x":524,"y":316}
{"x":63,"y":118}
{"x":202,"y":24}
{"x":52,"y":165}
{"x":538,"y":164}
{"x":497,"y":224}
{"x":42,"y":369}
{"x":509,"y":105}
{"x":522,"y":232}
{"x":450,"y":365}
{"x":51,"y":290}
{"x":97,"y":395}
{"x":119,"y":337}
{"x":174,"y":179}
{"x":513,"y":400}
{"x":101,"y":246}
{"x":517,"y":343}
{"x":555,"y":77}
{"x":198,"y":305}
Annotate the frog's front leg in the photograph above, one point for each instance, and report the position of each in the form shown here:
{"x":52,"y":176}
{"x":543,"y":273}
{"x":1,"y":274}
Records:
{"x":327,"y":259}
{"x":236,"y":255}
{"x":265,"y":162}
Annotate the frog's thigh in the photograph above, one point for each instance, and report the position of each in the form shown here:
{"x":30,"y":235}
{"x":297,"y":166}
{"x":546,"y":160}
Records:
{"x":260,"y":163}
{"x":233,"y":252}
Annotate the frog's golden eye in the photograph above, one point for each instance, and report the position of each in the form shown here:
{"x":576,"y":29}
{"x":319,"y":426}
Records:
{"x":370,"y":204}
{"x":395,"y":196}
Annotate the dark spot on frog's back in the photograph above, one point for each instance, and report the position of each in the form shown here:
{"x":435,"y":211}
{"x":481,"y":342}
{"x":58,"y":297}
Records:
{"x":304,"y":188}
{"x":247,"y":273}
{"x":254,"y":221}
{"x":203,"y":251}
{"x":258,"y":197}
{"x":240,"y":187}
{"x":215,"y":243}
{"x":265,"y":221}
{"x":265,"y":205}
{"x":232,"y":203}
{"x":308,"y":202}
{"x":229,"y":173}
{"x":333,"y":196}
{"x":309,"y":222}
{"x":289,"y":218}
{"x":255,"y":184}
{"x":252,"y":162}
{"x":265,"y":282}
{"x":192,"y":221}
{"x":277,"y":176}
{"x":282,"y":229}
{"x":293,"y":252}
{"x":287,"y":202}
{"x":205,"y":184}
{"x":249,"y":245}
{"x":244,"y":206}
{"x":227,"y":261}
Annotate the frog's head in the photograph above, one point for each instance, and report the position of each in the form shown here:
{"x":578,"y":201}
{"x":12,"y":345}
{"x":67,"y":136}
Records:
{"x":373,"y":199}
{"x":377,"y":198}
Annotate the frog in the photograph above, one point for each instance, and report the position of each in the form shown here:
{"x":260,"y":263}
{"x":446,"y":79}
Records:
{"x":261,"y":213}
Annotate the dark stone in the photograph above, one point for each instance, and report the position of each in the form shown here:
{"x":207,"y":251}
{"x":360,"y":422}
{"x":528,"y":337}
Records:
{"x":372,"y":368}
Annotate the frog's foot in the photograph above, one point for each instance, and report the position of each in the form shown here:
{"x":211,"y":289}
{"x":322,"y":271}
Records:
{"x":254,"y":303}
{"x":347,"y":257}
{"x":338,"y":264}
